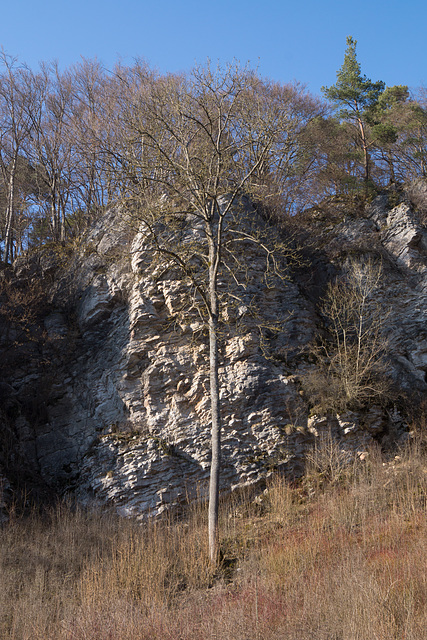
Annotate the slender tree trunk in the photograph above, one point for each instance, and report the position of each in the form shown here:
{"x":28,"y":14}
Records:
{"x":215,"y":402}
{"x":53,"y":215}
{"x":8,"y":234}
{"x":62,"y":200}
{"x":62,"y":222}
{"x":365,"y":151}
{"x":389,"y":160}
{"x":215,"y":442}
{"x":8,"y":241}
{"x":421,"y":153}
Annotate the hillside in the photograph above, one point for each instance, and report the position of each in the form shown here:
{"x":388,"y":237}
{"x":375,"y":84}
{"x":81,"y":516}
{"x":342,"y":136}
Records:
{"x":340,"y":554}
{"x":104,"y":387}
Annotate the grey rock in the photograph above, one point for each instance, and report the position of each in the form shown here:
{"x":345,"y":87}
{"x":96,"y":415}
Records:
{"x":121,"y":413}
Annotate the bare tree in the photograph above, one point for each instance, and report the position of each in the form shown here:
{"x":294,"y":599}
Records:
{"x":192,"y":147}
{"x":352,"y":366}
{"x":93,"y":133}
{"x":50,"y":149}
{"x":15,"y":128}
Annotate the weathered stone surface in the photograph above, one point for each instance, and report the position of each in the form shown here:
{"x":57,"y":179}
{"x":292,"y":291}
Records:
{"x":161,"y":452}
{"x":116,"y":404}
{"x":404,"y":292}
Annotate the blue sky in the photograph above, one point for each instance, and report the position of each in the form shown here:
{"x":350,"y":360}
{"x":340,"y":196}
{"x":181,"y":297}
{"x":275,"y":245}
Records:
{"x":302,"y":40}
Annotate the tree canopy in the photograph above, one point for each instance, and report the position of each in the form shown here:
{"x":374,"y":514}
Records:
{"x":353,"y":92}
{"x":69,"y":130}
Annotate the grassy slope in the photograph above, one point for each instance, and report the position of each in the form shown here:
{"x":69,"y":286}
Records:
{"x":342,"y":555}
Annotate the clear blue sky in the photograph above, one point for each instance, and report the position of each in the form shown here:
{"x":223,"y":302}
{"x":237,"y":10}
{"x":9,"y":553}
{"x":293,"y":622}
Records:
{"x":302,"y":40}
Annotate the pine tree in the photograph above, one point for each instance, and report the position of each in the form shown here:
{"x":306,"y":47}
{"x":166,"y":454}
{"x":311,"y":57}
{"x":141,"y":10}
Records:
{"x":354,"y":94}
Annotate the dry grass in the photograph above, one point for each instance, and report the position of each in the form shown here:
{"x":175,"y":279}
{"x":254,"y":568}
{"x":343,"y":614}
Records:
{"x":342,"y":557}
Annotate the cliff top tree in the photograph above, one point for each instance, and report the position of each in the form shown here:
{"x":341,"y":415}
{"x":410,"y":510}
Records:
{"x":386,"y":120}
{"x":15,"y":127}
{"x":354,"y":94}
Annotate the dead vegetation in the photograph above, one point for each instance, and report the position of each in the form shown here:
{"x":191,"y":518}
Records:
{"x":342,"y":554}
{"x":351,"y":367}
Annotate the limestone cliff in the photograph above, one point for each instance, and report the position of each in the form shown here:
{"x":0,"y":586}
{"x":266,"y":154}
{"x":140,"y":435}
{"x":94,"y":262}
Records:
{"x":104,"y":395}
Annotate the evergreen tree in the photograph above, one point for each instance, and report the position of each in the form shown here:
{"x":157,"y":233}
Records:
{"x":385,"y":121}
{"x":354,"y":94}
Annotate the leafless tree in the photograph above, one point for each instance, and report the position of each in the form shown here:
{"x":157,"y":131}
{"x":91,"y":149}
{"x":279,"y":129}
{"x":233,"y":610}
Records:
{"x":15,"y":103}
{"x":351,"y":357}
{"x":192,"y":148}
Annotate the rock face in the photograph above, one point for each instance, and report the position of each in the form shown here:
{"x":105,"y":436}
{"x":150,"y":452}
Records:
{"x":396,"y":236}
{"x":111,"y":397}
